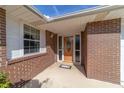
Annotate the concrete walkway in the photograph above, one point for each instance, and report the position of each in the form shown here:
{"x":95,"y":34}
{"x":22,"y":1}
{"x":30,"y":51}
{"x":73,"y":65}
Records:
{"x":55,"y":77}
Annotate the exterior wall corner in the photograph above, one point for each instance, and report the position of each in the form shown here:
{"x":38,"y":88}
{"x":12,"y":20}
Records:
{"x":2,"y":37}
{"x":103,"y":50}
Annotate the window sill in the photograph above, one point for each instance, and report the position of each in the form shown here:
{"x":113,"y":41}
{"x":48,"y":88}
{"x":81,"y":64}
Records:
{"x":26,"y":57}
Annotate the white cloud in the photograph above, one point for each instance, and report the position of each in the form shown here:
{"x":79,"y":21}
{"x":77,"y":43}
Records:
{"x":47,"y":16}
{"x":56,"y":10}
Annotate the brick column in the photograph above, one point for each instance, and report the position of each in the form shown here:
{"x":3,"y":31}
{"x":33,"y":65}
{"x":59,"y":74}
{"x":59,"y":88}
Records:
{"x":2,"y":37}
{"x":103,"y":50}
{"x":51,"y":44}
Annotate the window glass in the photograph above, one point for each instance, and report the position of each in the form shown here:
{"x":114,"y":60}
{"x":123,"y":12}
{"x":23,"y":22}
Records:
{"x":31,"y":39}
{"x":26,"y":50}
{"x":60,"y":55}
{"x":77,"y":56}
{"x":26,"y":43}
{"x":60,"y":42}
{"x":77,"y":42}
{"x":77,"y":48}
{"x":26,"y":35}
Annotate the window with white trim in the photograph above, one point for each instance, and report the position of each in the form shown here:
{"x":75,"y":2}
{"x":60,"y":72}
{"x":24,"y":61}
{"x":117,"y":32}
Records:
{"x":77,"y":48}
{"x":31,"y":40}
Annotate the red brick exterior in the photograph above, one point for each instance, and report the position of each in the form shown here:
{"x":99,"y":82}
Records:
{"x":25,"y":68}
{"x":103,"y":50}
{"x":51,"y":43}
{"x":84,"y":50}
{"x":2,"y":37}
{"x":100,"y":53}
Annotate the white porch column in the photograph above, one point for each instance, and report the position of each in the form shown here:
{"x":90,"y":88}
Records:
{"x":122,"y":54}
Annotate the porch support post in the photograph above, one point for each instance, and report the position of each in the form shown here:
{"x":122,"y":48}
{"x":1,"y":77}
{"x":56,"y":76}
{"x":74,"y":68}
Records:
{"x":51,"y":44}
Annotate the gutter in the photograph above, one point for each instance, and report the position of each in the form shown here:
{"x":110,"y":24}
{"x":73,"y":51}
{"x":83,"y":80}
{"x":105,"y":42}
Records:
{"x":84,"y":12}
{"x":87,"y":12}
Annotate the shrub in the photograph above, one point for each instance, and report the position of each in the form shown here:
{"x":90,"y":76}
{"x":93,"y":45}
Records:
{"x":4,"y":83}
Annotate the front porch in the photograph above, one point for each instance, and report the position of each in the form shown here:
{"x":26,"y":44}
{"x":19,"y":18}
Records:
{"x":55,"y":77}
{"x":83,"y":41}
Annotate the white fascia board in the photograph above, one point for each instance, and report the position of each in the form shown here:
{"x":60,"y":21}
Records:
{"x":78,"y":13}
{"x":87,"y":12}
{"x":37,"y":12}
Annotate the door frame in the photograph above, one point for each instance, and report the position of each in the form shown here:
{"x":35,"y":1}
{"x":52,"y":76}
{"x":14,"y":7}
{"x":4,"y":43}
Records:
{"x":73,"y":60}
{"x":60,"y":49}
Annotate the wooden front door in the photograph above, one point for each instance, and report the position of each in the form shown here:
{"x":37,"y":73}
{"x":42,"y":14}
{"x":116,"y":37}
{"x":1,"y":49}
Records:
{"x":68,"y":49}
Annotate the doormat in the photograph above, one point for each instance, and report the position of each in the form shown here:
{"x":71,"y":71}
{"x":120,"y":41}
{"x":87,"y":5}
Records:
{"x":65,"y":66}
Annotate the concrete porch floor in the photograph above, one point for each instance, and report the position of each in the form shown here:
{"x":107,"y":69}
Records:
{"x":55,"y":77}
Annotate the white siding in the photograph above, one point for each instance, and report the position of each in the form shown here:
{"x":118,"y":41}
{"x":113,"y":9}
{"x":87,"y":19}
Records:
{"x":122,"y":53}
{"x":14,"y":31}
{"x":42,"y":42}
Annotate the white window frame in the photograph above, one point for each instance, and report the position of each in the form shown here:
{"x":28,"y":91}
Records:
{"x":30,"y":40}
{"x":74,"y":50}
{"x":60,"y":49}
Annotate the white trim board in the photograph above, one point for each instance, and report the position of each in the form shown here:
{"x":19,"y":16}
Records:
{"x":73,"y":48}
{"x":122,"y":54}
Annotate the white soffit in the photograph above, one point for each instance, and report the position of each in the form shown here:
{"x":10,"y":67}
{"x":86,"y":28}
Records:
{"x":22,"y":13}
{"x":77,"y":24}
{"x":68,"y":26}
{"x":119,"y":13}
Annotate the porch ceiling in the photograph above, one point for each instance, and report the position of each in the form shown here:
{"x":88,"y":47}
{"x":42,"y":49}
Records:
{"x":69,"y":26}
{"x":77,"y":24}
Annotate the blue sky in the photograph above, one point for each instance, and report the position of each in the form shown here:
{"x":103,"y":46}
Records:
{"x":57,"y":10}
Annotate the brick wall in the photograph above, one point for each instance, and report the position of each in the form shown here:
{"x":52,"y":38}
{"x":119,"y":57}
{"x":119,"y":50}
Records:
{"x":103,"y":50}
{"x":84,"y":50}
{"x":2,"y":37}
{"x":25,"y":68}
{"x":51,"y":43}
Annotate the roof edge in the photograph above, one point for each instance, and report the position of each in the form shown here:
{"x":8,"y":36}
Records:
{"x":85,"y":12}
{"x":36,"y":11}
{"x":88,"y":12}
